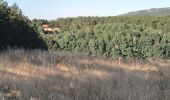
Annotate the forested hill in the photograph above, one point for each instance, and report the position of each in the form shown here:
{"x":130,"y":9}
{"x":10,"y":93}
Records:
{"x":150,"y":12}
{"x":121,"y":36}
{"x":70,"y":24}
{"x":16,"y":30}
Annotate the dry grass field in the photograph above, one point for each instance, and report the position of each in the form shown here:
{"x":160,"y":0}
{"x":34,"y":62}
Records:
{"x":40,"y":75}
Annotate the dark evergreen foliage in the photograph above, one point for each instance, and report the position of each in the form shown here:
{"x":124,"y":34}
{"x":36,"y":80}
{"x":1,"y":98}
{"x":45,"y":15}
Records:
{"x":16,"y":30}
{"x":127,"y":37}
{"x":122,"y":36}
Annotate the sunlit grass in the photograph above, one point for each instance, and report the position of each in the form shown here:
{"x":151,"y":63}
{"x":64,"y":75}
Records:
{"x":38,"y":75}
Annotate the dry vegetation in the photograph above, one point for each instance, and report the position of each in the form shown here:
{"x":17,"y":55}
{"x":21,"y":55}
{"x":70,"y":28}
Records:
{"x":38,"y":75}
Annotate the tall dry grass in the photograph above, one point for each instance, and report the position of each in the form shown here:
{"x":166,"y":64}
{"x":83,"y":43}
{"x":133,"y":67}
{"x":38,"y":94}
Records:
{"x":40,"y":75}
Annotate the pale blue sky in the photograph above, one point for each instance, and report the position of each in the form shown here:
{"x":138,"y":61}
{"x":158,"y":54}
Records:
{"x":52,"y":9}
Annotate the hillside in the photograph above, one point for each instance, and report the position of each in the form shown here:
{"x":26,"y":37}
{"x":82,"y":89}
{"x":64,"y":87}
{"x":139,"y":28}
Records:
{"x":37,"y":75}
{"x":128,"y":37}
{"x":150,"y":12}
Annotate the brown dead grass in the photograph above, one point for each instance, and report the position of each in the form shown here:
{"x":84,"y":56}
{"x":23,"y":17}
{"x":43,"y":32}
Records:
{"x":125,"y":66}
{"x":83,"y":78}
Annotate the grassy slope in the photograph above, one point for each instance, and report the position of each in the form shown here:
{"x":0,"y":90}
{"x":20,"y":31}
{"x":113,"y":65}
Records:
{"x":150,"y":12}
{"x":41,"y":75}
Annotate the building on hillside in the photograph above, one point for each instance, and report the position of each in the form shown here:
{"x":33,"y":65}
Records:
{"x":45,"y":26}
{"x":56,"y":29}
{"x":49,"y":30}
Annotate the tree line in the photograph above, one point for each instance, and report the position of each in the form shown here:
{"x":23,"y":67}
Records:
{"x":122,"y":36}
{"x":16,"y":30}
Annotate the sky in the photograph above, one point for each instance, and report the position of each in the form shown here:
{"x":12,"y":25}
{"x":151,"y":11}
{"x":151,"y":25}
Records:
{"x":53,"y":9}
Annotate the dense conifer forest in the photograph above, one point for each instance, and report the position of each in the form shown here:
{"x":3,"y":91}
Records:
{"x":16,"y":30}
{"x":122,"y":36}
{"x":119,"y":36}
